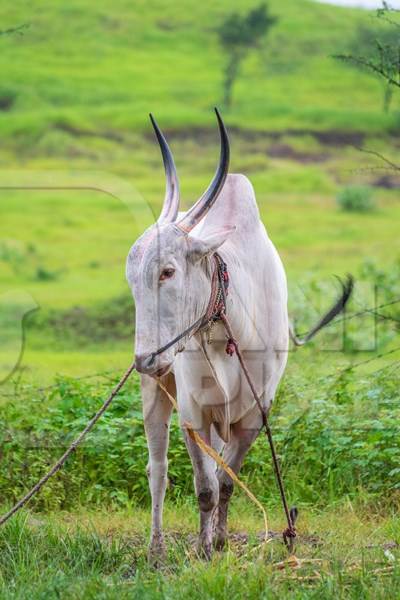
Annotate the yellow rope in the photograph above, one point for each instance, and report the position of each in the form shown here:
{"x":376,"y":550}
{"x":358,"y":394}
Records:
{"x":218,"y":459}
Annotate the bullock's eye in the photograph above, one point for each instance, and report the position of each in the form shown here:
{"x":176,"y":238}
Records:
{"x":167,"y":274}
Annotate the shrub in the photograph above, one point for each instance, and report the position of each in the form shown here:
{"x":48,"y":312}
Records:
{"x":355,"y":199}
{"x":347,"y":439}
{"x":43,"y":274}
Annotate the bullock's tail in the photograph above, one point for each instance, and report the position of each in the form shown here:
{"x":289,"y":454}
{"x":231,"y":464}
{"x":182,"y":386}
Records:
{"x":347,"y":288}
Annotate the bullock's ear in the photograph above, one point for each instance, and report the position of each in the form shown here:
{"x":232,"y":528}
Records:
{"x":205,"y":246}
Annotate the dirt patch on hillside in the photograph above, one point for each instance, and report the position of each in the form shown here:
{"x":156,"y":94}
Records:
{"x":114,"y":136}
{"x":286,"y":151}
{"x":7,"y":101}
{"x":111,"y":320}
{"x":202,"y":135}
{"x":388,"y":182}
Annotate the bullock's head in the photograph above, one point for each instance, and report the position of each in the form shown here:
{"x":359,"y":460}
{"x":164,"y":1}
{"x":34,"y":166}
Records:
{"x":169,"y":271}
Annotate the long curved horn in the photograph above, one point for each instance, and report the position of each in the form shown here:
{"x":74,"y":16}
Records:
{"x":171,"y":201}
{"x":203,"y":205}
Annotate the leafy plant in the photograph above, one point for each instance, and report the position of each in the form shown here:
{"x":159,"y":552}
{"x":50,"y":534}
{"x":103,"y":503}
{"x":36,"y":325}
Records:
{"x":347,"y":439}
{"x":378,"y":52}
{"x":381,"y":58}
{"x":378,"y":47}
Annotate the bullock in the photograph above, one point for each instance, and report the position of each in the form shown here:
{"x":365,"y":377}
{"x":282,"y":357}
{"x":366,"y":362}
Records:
{"x":170,"y":270}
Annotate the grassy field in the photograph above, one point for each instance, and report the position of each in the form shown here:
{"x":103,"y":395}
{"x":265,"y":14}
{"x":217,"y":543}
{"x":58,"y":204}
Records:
{"x":102,"y":555}
{"x":75,"y":92}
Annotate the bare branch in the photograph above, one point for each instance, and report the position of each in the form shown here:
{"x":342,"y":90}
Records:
{"x":382,"y":13}
{"x":363,"y":62}
{"x":371,"y":169}
{"x":392,"y":165}
{"x":19,"y":30}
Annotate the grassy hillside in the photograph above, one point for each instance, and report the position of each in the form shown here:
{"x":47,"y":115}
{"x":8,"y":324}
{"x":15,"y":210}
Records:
{"x":90,"y":65}
{"x":75,"y":92}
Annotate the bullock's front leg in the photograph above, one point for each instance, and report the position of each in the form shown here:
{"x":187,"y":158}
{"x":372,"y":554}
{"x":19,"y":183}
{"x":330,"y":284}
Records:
{"x":206,"y":487}
{"x":233,"y":455}
{"x":157,"y":411}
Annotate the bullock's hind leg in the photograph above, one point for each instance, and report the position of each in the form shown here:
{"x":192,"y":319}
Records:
{"x":157,"y":411}
{"x":206,"y":487}
{"x":233,"y":455}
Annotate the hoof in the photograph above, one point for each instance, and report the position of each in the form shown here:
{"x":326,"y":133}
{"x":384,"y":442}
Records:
{"x":204,"y":550}
{"x":156,"y":552}
{"x":220,"y":540}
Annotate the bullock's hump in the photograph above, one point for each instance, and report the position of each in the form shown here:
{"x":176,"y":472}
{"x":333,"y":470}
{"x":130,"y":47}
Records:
{"x":235,"y":206}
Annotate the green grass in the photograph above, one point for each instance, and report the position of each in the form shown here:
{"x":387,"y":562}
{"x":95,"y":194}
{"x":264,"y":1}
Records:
{"x":87,"y":555}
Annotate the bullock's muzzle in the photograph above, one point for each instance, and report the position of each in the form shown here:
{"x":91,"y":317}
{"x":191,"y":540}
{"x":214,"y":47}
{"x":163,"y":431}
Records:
{"x":148,"y":364}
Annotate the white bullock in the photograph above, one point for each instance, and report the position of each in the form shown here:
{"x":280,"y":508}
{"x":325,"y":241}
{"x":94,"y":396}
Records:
{"x":170,"y":271}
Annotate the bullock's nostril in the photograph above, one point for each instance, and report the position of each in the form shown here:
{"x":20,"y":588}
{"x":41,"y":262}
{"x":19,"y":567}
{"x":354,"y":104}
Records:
{"x":144,"y":362}
{"x":149,"y":362}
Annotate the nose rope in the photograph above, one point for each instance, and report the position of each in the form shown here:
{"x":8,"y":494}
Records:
{"x":232,"y":347}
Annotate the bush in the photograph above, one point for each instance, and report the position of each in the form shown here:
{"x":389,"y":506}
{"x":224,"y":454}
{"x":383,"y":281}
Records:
{"x":355,"y":199}
{"x":347,"y":439}
{"x":43,"y":274}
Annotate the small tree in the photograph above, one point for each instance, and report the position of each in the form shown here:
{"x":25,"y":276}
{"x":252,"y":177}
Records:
{"x":384,"y":63}
{"x":381,"y":57}
{"x":237,"y":36}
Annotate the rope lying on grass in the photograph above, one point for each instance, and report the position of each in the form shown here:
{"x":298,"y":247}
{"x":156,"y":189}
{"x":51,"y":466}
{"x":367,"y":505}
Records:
{"x":193,"y":434}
